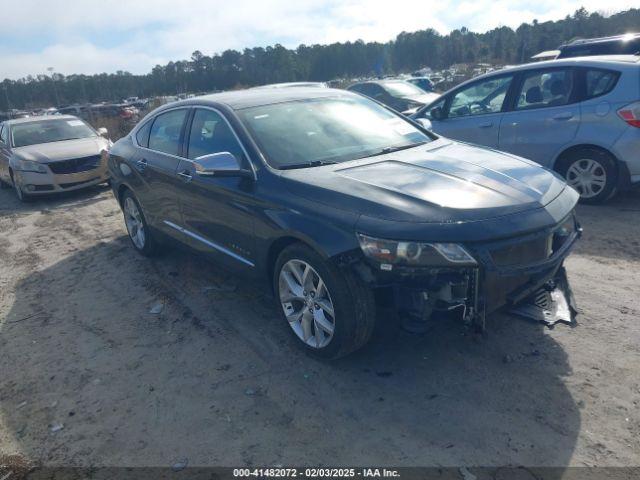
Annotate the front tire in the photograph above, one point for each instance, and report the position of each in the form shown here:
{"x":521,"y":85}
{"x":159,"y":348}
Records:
{"x":592,"y":172}
{"x":139,"y":232}
{"x":330,"y":311}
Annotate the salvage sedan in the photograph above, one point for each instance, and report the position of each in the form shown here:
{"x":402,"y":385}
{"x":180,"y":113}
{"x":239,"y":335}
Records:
{"x":40,"y":155}
{"x":331,"y":200}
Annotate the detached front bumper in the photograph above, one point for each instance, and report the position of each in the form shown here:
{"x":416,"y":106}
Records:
{"x":524,"y":274}
{"x":33,"y":183}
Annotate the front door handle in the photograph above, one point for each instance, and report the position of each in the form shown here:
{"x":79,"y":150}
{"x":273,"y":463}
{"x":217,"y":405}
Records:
{"x":185,"y":175}
{"x":142,"y":164}
{"x":563,"y":116}
{"x":486,"y":125}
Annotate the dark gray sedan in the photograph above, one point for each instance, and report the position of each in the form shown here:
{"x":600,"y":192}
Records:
{"x":328,"y":199}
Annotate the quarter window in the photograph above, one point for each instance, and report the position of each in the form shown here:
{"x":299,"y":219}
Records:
{"x":545,"y":88}
{"x":210,"y":133}
{"x":142,"y":136}
{"x":165,"y":132}
{"x":600,"y":82}
{"x":486,"y":96}
{"x":4,"y":135}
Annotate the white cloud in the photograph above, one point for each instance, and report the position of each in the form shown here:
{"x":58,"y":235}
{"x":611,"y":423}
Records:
{"x":147,"y":32}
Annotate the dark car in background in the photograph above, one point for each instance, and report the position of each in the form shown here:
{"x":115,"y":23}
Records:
{"x":628,"y":44}
{"x":328,"y":199}
{"x":53,"y":153}
{"x":400,"y":95}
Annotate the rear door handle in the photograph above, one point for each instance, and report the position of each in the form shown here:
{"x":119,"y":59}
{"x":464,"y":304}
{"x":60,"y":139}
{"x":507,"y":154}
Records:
{"x":185,"y":176}
{"x":563,"y":116}
{"x":486,"y":125}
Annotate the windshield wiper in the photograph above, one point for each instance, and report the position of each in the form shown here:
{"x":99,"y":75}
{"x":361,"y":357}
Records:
{"x":395,"y":149}
{"x":315,"y":163}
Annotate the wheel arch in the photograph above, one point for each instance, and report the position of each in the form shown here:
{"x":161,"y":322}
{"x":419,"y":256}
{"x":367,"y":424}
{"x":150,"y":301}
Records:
{"x":580,"y":146}
{"x":122,"y":188}
{"x":279,"y":244}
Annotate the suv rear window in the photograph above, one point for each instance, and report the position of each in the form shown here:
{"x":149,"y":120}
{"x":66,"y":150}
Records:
{"x":600,"y":82}
{"x":614,"y":47}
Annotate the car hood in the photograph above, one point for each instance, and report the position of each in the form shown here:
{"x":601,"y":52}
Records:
{"x":65,"y":150}
{"x":441,"y":182}
{"x":424,"y":99}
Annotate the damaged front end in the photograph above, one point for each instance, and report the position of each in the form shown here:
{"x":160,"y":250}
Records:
{"x":524,"y":275}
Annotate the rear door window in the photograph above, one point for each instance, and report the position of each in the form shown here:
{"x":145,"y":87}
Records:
{"x":165,"y":132}
{"x":600,"y":82}
{"x":545,"y":88}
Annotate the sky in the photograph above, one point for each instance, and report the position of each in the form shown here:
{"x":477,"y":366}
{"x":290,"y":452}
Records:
{"x":91,"y":36}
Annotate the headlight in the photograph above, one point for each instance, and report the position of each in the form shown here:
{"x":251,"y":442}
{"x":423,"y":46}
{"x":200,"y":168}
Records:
{"x":30,"y":166}
{"x":391,"y":252}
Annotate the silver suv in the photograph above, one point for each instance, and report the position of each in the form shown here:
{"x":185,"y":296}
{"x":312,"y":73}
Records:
{"x":579,"y":117}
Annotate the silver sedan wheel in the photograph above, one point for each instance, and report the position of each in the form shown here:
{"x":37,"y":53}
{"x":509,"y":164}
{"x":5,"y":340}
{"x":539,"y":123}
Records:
{"x":133,"y":220}
{"x":587,"y":176}
{"x":306,"y":303}
{"x":17,"y":189}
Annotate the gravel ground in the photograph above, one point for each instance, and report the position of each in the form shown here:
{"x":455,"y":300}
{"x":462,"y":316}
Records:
{"x":89,"y":377}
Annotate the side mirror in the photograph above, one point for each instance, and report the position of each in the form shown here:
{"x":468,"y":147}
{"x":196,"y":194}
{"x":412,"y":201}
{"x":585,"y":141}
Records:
{"x":103,"y":132}
{"x":436,"y":113}
{"x":221,"y":164}
{"x":425,"y":122}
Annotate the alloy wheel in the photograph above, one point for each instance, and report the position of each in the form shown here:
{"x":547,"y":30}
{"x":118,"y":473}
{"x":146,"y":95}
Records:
{"x":306,"y":303}
{"x":587,"y":176}
{"x":135,"y":225}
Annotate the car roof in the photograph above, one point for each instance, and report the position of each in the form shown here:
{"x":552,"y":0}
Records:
{"x":257,"y":97}
{"x":615,"y":38}
{"x":292,"y":84}
{"x":603,"y":61}
{"x":36,"y":118}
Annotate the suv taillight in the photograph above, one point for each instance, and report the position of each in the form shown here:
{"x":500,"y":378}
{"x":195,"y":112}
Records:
{"x":631,"y":114}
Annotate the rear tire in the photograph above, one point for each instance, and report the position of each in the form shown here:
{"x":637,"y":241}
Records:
{"x":140,"y":234}
{"x":308,"y":302}
{"x":592,"y":172}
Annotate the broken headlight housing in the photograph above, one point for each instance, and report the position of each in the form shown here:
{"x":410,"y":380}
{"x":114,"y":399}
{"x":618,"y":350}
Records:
{"x":416,"y":254}
{"x":29,"y":166}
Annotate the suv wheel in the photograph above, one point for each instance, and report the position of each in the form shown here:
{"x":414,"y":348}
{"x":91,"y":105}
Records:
{"x":137,"y":227}
{"x":592,"y":173}
{"x":330,"y":311}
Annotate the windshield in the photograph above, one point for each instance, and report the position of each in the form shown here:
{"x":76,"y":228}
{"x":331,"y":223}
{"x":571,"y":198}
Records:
{"x":324,"y":130}
{"x":46,"y":131}
{"x":402,"y":89}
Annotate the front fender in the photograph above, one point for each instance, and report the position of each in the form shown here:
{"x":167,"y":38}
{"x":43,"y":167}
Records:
{"x":327,"y":237}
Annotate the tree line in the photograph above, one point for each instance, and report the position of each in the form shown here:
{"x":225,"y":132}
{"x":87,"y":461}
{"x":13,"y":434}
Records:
{"x":255,"y":66}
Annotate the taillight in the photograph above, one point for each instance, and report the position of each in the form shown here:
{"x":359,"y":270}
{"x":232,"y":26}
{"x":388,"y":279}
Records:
{"x":631,"y":114}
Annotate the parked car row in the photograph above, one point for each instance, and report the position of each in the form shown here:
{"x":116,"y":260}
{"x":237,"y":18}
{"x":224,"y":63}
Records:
{"x":335,"y":203}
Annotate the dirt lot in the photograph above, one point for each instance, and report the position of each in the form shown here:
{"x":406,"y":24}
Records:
{"x":215,"y":378}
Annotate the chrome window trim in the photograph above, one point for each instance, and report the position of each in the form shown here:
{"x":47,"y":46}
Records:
{"x":191,"y":107}
{"x":211,"y":244}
